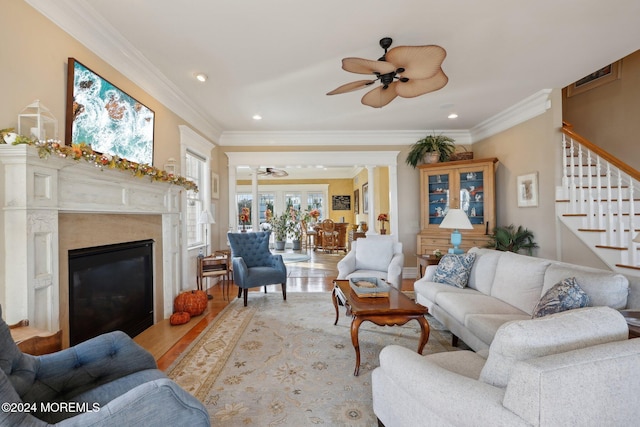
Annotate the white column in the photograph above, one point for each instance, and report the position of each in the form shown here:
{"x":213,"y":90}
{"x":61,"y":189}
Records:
{"x":254,"y":202}
{"x":233,"y":206}
{"x":372,"y":199}
{"x":393,"y":202}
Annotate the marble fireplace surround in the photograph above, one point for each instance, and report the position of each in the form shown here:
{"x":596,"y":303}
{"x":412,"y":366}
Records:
{"x":52,"y":205}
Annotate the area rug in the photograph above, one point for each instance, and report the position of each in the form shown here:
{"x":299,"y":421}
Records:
{"x":279,"y":362}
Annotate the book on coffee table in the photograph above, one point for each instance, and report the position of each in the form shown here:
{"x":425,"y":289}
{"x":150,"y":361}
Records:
{"x":369,"y":287}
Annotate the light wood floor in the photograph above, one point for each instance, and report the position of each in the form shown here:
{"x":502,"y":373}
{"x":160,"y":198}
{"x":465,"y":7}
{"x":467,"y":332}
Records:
{"x":166,"y":342}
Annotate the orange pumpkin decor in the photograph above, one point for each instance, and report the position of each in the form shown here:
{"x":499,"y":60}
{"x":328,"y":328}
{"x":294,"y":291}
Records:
{"x":179,"y":318}
{"x":193,"y":302}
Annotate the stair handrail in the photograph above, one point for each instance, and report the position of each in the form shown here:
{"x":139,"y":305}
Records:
{"x":567,"y":129}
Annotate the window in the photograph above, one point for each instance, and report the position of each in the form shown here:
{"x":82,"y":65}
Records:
{"x":315,"y":200}
{"x":195,"y":166}
{"x":244,"y":200}
{"x":265,"y":201}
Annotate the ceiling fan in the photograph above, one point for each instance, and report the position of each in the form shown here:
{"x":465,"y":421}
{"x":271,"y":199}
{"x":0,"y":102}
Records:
{"x":276,"y":173}
{"x":406,"y":71}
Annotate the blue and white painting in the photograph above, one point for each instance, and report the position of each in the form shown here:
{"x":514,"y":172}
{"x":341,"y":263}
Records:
{"x":109,"y":120}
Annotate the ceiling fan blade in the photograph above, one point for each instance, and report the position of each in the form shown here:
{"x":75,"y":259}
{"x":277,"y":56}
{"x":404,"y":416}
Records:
{"x":367,"y":66}
{"x":417,"y":87}
{"x":350,"y":87}
{"x":379,"y":97}
{"x":419,"y":62}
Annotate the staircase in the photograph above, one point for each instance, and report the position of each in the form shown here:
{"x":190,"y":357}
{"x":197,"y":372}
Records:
{"x":599,"y":201}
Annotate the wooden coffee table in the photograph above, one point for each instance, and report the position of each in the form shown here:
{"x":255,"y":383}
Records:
{"x":396,"y":309}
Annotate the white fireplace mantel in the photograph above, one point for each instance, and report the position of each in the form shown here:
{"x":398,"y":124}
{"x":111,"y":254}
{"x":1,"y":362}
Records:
{"x":34,"y":192}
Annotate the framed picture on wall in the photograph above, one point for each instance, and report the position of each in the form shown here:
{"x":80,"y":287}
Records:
{"x":356,"y":202}
{"x":527,"y":186}
{"x":215,"y":185}
{"x":603,"y":76}
{"x":341,"y":203}
{"x":365,"y":198}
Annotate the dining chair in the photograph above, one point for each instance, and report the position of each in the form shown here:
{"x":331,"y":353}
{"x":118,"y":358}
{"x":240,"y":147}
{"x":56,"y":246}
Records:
{"x":329,"y":235}
{"x":308,"y":235}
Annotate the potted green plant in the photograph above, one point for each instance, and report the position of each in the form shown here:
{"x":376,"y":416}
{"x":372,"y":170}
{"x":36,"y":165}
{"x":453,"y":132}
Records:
{"x":440,"y":146}
{"x":280,"y":227}
{"x":512,"y":239}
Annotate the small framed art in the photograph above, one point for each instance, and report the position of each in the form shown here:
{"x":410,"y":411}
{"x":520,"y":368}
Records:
{"x":527,"y":186}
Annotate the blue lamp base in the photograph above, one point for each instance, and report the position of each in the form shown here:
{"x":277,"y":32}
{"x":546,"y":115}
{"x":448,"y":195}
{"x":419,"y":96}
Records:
{"x":456,"y":240}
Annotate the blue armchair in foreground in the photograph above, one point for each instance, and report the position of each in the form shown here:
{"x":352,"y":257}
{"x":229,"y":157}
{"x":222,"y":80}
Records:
{"x":254,"y":265}
{"x":108,"y":380}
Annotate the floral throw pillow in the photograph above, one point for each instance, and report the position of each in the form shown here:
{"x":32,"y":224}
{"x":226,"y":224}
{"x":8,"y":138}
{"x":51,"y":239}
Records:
{"x":563,"y":296}
{"x":454,"y":269}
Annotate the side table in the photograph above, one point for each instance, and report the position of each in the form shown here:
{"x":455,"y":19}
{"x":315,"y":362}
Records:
{"x":633,"y":321}
{"x":423,"y":261}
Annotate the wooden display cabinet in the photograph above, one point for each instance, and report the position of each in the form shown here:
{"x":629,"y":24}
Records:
{"x":465,"y":184}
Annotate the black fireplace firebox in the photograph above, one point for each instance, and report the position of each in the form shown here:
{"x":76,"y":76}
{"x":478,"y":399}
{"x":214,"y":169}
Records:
{"x":110,"y":288}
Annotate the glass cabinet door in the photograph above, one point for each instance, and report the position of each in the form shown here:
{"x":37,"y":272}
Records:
{"x":439,"y":186}
{"x":472,"y":195}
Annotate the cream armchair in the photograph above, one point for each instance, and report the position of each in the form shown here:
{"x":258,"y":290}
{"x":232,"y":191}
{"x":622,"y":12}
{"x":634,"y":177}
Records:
{"x":374,"y":256}
{"x":572,"y":368}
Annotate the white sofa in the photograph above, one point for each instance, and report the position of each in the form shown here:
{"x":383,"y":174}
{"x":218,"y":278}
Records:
{"x":505,"y":286}
{"x":575,"y":368}
{"x":374,"y":256}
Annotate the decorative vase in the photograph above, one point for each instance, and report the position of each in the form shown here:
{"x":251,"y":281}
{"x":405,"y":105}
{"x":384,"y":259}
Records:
{"x":280,"y":245}
{"x":297,"y":245}
{"x":432,"y":157}
{"x":383,"y":231}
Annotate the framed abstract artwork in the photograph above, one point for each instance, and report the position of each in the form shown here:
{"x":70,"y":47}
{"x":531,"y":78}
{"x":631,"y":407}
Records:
{"x":527,"y":186}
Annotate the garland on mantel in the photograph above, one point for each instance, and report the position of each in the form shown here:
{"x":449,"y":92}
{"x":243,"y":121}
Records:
{"x":84,"y":151}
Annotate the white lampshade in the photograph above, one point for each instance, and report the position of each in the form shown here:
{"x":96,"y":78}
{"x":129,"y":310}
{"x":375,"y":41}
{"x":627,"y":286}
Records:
{"x":637,"y":238}
{"x":206,"y":218}
{"x":456,"y":219}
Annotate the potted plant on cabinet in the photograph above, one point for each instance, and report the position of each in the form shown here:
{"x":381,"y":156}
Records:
{"x":510,"y":239}
{"x":431,"y":149}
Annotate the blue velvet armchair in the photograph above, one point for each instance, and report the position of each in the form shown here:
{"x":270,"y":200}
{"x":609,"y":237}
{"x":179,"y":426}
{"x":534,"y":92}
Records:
{"x":105,"y":381}
{"x":254,"y":265}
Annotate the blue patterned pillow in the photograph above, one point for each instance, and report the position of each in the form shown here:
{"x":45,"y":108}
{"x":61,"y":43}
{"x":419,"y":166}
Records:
{"x":563,"y":296}
{"x":454,"y":269}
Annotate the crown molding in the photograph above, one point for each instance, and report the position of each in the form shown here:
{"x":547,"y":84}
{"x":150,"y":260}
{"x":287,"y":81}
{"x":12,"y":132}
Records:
{"x":82,"y":22}
{"x":313,"y":158}
{"x":528,"y":108}
{"x":334,"y":138}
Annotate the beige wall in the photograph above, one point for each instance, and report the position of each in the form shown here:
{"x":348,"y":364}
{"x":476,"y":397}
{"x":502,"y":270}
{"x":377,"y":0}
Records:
{"x":532,"y":146}
{"x":608,"y":115}
{"x":34,"y":66}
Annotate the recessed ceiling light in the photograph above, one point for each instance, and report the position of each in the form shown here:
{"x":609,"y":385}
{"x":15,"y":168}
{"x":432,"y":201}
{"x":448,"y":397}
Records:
{"x":257,"y":117}
{"x":201,"y":77}
{"x":452,"y":116}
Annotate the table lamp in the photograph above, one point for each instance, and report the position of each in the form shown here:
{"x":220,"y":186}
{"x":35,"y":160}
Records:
{"x":206,"y":218}
{"x":456,"y":219}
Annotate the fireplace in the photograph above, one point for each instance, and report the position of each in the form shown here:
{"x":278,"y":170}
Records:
{"x":110,"y":288}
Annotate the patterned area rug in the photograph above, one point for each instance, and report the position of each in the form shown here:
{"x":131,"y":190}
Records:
{"x":281,"y":362}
